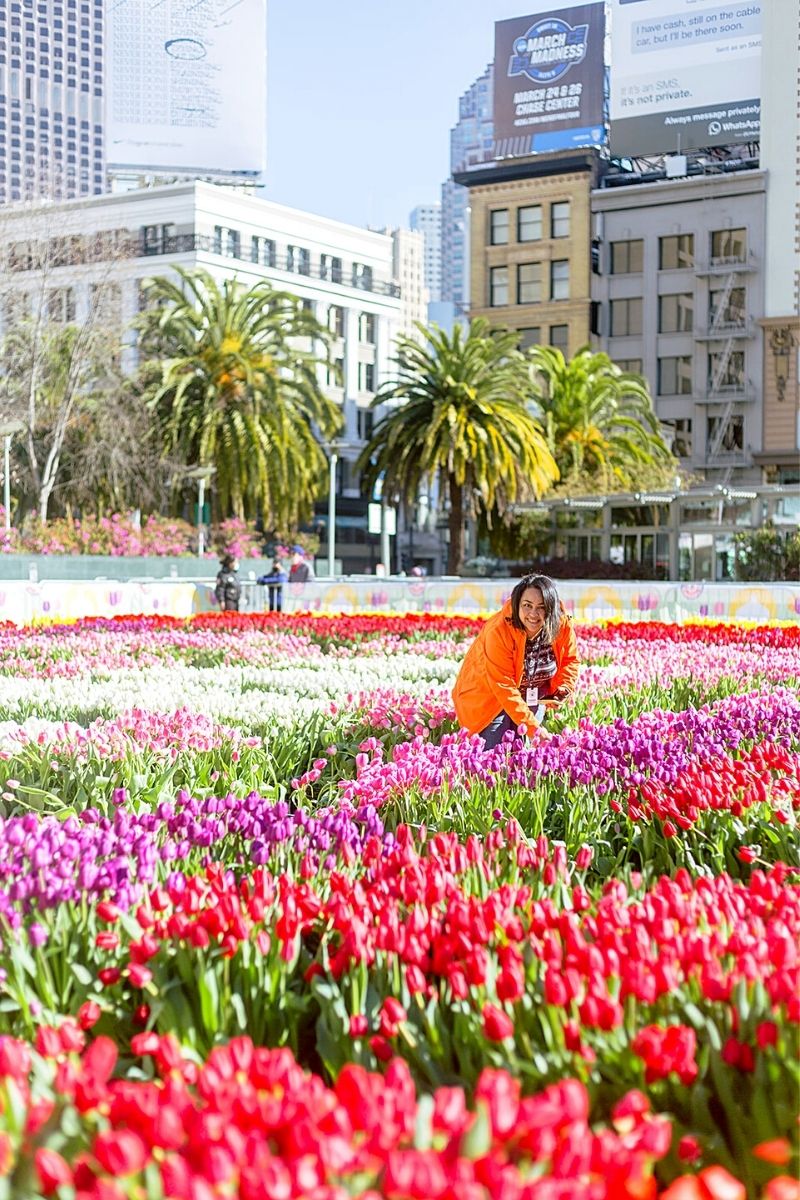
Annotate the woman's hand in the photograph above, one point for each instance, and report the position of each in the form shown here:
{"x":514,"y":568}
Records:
{"x":560,"y":694}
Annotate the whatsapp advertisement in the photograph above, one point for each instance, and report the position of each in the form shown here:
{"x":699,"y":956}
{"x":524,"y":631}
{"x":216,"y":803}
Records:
{"x":685,"y":74}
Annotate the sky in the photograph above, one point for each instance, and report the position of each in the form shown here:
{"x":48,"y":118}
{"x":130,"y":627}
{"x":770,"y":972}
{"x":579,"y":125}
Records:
{"x":362,"y":95}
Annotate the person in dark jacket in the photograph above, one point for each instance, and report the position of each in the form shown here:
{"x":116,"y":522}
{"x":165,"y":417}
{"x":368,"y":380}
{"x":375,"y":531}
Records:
{"x":300,"y":571}
{"x":274,"y":582}
{"x":228,"y":589}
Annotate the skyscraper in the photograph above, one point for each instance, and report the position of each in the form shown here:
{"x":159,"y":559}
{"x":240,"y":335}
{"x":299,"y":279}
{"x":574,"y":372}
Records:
{"x":471,"y":145}
{"x":427,"y":220}
{"x":51,"y":99}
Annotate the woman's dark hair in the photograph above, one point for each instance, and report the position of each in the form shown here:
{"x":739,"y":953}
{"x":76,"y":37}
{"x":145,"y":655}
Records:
{"x":227,"y":562}
{"x":552,"y":604}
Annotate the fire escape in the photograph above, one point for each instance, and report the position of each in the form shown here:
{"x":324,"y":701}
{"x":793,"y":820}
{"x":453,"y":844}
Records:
{"x":726,"y":328}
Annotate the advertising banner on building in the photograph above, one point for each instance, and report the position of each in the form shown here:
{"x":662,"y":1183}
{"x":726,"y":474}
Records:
{"x":548,"y":80}
{"x":684,"y":74}
{"x":186,"y":86}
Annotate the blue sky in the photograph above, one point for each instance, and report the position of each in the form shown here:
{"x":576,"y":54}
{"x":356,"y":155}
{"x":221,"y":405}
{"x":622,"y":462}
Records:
{"x":361,"y":98}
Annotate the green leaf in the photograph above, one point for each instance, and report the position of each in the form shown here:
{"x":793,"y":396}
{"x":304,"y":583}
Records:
{"x":83,"y":975}
{"x":423,"y":1126}
{"x":477,"y":1141}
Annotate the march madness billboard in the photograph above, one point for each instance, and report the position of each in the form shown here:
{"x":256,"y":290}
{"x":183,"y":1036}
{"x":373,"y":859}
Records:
{"x":548,"y":80}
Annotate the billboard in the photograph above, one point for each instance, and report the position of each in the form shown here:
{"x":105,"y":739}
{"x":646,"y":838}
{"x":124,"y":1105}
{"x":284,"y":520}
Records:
{"x":685,"y":74}
{"x":186,"y":86}
{"x":548,"y":80}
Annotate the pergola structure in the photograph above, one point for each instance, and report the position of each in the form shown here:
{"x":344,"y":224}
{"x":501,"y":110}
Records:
{"x":680,"y":534}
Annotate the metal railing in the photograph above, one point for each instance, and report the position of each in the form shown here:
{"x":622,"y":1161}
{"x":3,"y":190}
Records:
{"x":186,"y":243}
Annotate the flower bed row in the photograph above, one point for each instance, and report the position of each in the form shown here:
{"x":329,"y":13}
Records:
{"x":271,"y":926}
{"x":250,"y":1123}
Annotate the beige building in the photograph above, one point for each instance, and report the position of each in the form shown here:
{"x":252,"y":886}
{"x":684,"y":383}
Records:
{"x":530,"y":247}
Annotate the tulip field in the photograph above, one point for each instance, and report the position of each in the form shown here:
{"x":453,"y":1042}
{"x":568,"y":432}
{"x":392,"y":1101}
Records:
{"x":272,"y":927}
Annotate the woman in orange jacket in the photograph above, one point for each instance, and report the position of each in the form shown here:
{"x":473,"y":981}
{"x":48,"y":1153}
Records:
{"x":524,"y":661}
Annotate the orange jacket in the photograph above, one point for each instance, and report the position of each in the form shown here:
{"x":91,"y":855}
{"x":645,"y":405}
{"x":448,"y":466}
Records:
{"x":489,"y":679}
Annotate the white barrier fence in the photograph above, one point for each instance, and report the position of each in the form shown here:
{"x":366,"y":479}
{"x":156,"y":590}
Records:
{"x":589,"y":600}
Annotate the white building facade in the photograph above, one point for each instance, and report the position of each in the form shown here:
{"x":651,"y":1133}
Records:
{"x":345,"y":275}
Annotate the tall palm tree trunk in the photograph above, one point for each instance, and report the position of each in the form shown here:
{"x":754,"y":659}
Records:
{"x":455,"y":551}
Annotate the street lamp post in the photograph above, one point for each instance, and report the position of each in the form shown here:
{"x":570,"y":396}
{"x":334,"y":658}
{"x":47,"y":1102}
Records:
{"x":338,"y":447}
{"x":7,"y":431}
{"x":332,"y":512}
{"x":202,"y":475}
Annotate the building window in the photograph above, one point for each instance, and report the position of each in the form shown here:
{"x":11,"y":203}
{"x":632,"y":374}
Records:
{"x":330,"y":267}
{"x":676,"y":252}
{"x":532,"y":336}
{"x":675,"y":376}
{"x":336,"y":320}
{"x":498,"y":286}
{"x":732,"y":437}
{"x":157,"y":239}
{"x":367,"y":328}
{"x":559,"y":279}
{"x":529,"y":283}
{"x":676,"y":313}
{"x":335,"y":373}
{"x":729,"y":245}
{"x":106,"y":303}
{"x":626,"y":317}
{"x":365,"y":421}
{"x":226,"y":241}
{"x":627,"y":258}
{"x":498,"y":227}
{"x":263,"y":250}
{"x":61,"y":304}
{"x":298,"y":259}
{"x":529,"y":223}
{"x":366,"y":377}
{"x":362,"y":277}
{"x":559,"y":219}
{"x":727,"y":308}
{"x":632,"y":366}
{"x":682,"y":445}
{"x":726,"y":373}
{"x":559,"y":337}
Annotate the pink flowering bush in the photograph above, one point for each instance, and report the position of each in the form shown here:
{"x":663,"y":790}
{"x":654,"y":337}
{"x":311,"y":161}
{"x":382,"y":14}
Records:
{"x":120,"y":537}
{"x":239,"y":539}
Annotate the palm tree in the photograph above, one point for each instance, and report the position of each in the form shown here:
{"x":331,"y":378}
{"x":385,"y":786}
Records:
{"x":458,"y":412}
{"x":599,"y":421}
{"x":237,"y":390}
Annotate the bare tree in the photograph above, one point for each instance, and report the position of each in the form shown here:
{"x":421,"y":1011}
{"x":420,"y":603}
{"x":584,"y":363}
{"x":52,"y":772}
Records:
{"x":60,"y":354}
{"x":112,"y":456}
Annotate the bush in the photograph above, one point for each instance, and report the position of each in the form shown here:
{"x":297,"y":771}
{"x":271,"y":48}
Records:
{"x":120,"y":537}
{"x":767,"y":554}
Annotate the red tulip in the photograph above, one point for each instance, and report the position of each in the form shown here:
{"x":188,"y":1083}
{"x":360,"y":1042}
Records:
{"x":497,"y":1025}
{"x":120,"y":1152}
{"x":53,"y":1170}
